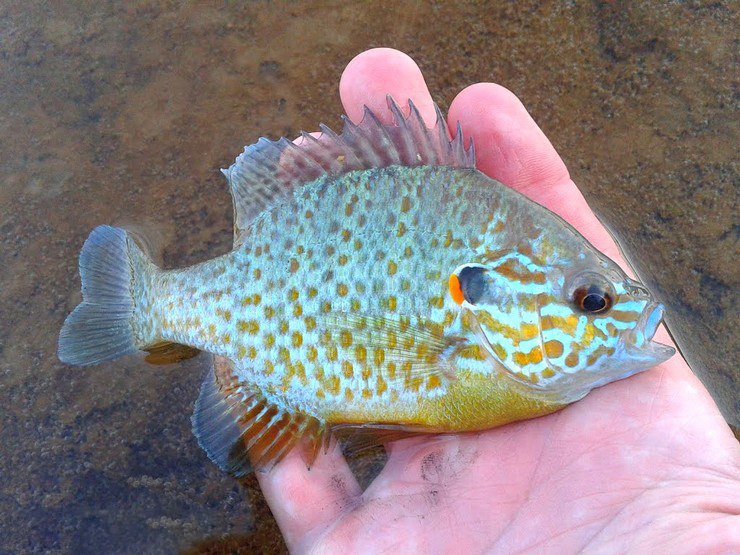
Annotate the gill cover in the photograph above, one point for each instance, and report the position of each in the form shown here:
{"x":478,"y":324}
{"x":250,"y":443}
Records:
{"x":560,"y":343}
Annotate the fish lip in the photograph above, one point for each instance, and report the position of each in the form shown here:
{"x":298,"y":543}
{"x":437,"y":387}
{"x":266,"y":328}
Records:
{"x":641,"y":344}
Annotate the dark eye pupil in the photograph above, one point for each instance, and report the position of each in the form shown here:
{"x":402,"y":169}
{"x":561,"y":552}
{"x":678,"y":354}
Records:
{"x":592,"y":299}
{"x":593,"y":302}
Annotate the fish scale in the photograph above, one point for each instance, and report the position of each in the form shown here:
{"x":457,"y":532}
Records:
{"x":379,"y":285}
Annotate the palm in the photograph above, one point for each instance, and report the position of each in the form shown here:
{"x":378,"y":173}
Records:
{"x":639,"y":463}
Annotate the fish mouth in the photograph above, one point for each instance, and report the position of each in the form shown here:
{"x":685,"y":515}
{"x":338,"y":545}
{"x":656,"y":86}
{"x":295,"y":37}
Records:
{"x":641,"y":344}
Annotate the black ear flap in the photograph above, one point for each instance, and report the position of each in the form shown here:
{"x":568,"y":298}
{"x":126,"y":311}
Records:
{"x":472,"y":282}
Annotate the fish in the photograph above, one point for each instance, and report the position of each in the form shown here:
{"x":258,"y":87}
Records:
{"x":379,"y":286}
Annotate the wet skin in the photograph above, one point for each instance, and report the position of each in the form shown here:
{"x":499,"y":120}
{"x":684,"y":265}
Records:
{"x":641,"y":464}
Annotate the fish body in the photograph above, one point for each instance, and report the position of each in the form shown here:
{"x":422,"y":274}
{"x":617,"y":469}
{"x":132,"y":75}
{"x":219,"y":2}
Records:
{"x":378,"y":282}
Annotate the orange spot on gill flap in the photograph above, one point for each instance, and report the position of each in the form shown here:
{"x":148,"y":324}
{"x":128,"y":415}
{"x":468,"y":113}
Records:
{"x":455,"y":290}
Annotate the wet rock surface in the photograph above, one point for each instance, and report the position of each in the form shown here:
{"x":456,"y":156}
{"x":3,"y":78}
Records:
{"x":122,"y":113}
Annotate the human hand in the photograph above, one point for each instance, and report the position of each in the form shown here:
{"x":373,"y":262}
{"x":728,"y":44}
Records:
{"x":641,"y":464}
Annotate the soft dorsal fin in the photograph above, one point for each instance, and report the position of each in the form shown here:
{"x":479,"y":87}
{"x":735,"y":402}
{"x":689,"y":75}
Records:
{"x":240,"y":430}
{"x":269,"y":170}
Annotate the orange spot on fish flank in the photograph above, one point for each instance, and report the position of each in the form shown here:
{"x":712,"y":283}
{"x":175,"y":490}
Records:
{"x":251,"y":327}
{"x":345,"y":338}
{"x":391,"y":369}
{"x":379,"y":356}
{"x":360,"y":354}
{"x":348,"y":395}
{"x":300,"y":371}
{"x":553,"y":348}
{"x":433,"y":382}
{"x":437,"y":302}
{"x":347,"y":369}
{"x":571,"y":360}
{"x":414,"y":384}
{"x":405,"y":205}
{"x":293,"y":266}
{"x":333,"y":385}
{"x":500,"y":352}
{"x":535,"y":356}
{"x":529,"y":331}
{"x":520,"y":359}
{"x":448,"y":239}
{"x":342,"y":290}
{"x":382,"y":386}
{"x":367,"y":394}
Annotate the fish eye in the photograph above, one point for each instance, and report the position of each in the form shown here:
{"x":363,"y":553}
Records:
{"x":592,"y":299}
{"x":472,"y":281}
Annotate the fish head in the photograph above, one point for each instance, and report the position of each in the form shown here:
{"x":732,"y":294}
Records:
{"x":560,"y":338}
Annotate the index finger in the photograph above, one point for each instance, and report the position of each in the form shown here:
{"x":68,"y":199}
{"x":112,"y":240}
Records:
{"x":511,"y":148}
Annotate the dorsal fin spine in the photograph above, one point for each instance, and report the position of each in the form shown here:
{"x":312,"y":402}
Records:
{"x":269,"y":170}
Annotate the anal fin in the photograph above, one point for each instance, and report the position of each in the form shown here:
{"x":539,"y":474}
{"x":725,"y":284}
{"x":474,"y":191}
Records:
{"x":241,"y":431}
{"x":166,"y":352}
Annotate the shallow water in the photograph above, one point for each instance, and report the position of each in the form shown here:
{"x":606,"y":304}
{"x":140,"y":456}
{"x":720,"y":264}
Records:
{"x":123,"y":115}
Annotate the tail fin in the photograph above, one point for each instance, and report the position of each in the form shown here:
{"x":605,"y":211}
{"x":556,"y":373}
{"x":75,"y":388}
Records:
{"x":99,"y":329}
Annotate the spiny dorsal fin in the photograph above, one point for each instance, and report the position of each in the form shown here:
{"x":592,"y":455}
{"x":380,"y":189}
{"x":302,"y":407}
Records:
{"x":269,"y":170}
{"x":240,"y":430}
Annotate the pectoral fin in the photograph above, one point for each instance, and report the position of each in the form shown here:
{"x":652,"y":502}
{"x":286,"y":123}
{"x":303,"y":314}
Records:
{"x":416,"y":352}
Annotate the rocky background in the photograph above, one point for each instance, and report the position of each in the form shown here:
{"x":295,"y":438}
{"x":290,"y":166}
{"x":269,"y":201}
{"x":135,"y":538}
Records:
{"x":123,"y":112}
